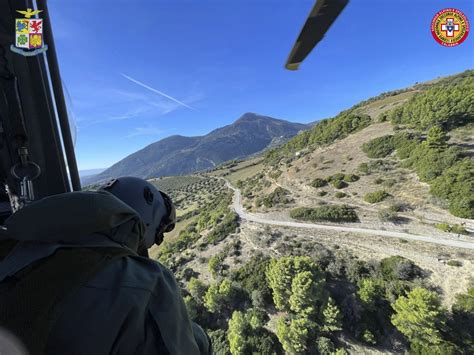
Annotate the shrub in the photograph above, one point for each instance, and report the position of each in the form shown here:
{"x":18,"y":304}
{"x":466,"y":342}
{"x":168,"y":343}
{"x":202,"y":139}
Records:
{"x":322,"y":193}
{"x":379,"y":147}
{"x":216,"y":264}
{"x":363,"y":168}
{"x":351,"y":178}
{"x":387,"y":215}
{"x":371,"y":292}
{"x":405,"y":143}
{"x":396,"y":288}
{"x":383,"y":117}
{"x":228,"y":225}
{"x":380,"y":165}
{"x":377,"y":196}
{"x":197,"y":289}
{"x":220,"y":344}
{"x":456,"y":263}
{"x":455,"y":228}
{"x":368,"y":337}
{"x":355,"y":269}
{"x":458,"y":229}
{"x":397,"y":207}
{"x":275,"y":174}
{"x":278,"y":197}
{"x":444,"y":227}
{"x":465,"y":302}
{"x":336,"y":177}
{"x":399,"y":268}
{"x":340,"y":194}
{"x":339,"y":184}
{"x":324,"y":346}
{"x":389,"y":182}
{"x":252,"y":277}
{"x":318,"y":182}
{"x":258,"y":301}
{"x":334,"y":213}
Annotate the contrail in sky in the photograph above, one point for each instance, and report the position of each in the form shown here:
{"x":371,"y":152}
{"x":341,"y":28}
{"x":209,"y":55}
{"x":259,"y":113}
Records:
{"x":156,"y":91}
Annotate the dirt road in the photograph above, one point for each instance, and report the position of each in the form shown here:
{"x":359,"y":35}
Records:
{"x":237,"y":206}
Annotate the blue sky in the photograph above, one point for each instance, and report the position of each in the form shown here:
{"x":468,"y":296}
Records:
{"x":219,"y":59}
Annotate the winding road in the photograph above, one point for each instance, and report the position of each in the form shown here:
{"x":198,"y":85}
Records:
{"x":238,"y":208}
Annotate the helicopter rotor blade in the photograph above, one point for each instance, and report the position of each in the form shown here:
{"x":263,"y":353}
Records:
{"x":320,"y":19}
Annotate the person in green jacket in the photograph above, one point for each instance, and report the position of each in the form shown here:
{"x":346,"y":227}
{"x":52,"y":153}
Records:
{"x":125,"y":304}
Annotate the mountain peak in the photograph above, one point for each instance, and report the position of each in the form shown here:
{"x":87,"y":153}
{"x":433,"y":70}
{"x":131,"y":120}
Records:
{"x":176,"y":155}
{"x":249,"y":116}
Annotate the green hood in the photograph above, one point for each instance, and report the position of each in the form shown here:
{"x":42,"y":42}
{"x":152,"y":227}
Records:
{"x":74,"y":216}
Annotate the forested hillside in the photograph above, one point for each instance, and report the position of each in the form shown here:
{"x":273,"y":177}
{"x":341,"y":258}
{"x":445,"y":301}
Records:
{"x":423,"y":125}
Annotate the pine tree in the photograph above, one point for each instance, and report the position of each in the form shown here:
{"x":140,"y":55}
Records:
{"x":436,"y":138}
{"x":212,"y":298}
{"x":306,"y":293}
{"x":236,"y":333}
{"x":218,"y":296}
{"x":295,"y":334}
{"x":280,"y":275}
{"x":419,"y":316}
{"x":197,"y":289}
{"x":332,"y":318}
{"x":370,"y":292}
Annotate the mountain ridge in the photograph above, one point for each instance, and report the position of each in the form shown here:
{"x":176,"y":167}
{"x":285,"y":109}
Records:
{"x":177,"y":154}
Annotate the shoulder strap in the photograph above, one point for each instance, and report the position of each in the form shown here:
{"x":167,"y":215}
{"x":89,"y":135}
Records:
{"x":30,"y":302}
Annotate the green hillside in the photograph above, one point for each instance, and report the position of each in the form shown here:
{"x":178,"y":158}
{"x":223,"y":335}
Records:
{"x":423,"y":123}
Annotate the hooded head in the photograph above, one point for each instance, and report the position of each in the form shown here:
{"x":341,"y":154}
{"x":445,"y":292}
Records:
{"x":153,"y":206}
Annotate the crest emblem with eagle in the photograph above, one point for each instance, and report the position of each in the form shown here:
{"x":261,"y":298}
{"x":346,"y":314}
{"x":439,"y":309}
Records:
{"x":29,"y":34}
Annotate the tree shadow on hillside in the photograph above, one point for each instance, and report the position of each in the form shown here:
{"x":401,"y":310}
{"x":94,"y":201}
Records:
{"x":400,"y":220}
{"x":468,"y":149}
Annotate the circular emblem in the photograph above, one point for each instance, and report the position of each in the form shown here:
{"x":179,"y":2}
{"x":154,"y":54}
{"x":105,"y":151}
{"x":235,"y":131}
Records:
{"x":450,"y":27}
